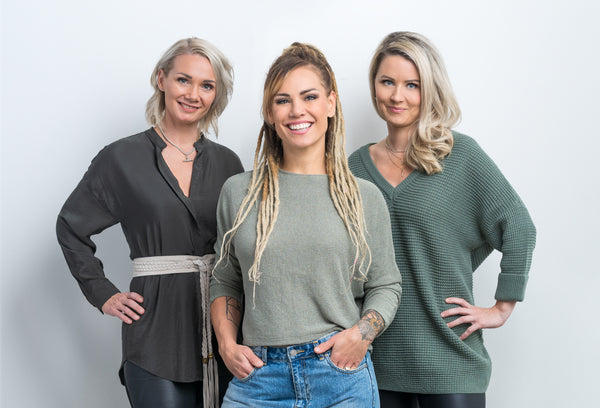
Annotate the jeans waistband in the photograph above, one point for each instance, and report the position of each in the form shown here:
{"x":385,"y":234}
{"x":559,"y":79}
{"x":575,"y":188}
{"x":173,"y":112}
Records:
{"x":289,"y":353}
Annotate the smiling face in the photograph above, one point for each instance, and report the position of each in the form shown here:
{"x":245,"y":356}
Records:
{"x":190,"y":89}
{"x":300,"y":110}
{"x":398,"y":92}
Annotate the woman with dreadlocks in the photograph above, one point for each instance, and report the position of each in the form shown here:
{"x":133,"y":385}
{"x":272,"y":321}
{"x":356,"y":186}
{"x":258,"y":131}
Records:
{"x":314,"y":272}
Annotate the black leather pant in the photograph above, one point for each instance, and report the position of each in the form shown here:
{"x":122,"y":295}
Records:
{"x":391,"y":399}
{"x":146,"y":390}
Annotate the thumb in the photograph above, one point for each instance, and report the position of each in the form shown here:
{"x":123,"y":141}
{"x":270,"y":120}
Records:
{"x":323,"y":347}
{"x":254,"y":360}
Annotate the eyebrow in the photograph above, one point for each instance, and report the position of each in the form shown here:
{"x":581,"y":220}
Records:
{"x":408,"y":80}
{"x":301,"y":93}
{"x":190,"y":77}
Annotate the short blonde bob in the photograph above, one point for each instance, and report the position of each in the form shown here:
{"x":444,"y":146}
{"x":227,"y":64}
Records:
{"x":155,"y":108}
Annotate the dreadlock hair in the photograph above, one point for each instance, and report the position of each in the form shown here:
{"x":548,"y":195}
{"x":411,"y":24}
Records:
{"x":432,"y":139}
{"x":269,"y":154}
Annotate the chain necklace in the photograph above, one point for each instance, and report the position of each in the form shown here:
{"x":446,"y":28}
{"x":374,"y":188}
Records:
{"x":401,"y":166}
{"x":187,"y":159}
{"x":391,"y":152}
{"x":390,"y":148}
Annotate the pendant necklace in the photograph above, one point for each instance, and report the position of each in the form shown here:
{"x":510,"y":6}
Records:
{"x":401,"y":167}
{"x":187,"y":159}
{"x":391,"y":151}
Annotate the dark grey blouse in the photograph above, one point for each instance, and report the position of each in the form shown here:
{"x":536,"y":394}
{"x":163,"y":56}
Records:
{"x":129,"y":183}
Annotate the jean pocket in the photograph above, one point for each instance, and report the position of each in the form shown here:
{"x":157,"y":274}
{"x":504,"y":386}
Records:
{"x":253,"y":372}
{"x":361,"y":366}
{"x":249,"y":376}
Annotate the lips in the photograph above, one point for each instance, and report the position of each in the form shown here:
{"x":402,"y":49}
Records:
{"x":396,"y":109}
{"x":188,"y":108}
{"x":299,"y":126}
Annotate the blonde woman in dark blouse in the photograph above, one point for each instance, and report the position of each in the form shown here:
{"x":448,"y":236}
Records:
{"x":162,"y":186}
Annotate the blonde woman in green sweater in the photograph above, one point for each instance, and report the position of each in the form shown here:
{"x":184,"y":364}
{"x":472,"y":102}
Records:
{"x":450,"y":206}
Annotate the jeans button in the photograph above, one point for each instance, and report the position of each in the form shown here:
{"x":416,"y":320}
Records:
{"x":293,"y":353}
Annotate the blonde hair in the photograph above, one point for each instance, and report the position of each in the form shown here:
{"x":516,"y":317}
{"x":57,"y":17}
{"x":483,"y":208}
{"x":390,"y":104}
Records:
{"x":343,"y":187}
{"x":155,"y":108}
{"x":432,"y":138}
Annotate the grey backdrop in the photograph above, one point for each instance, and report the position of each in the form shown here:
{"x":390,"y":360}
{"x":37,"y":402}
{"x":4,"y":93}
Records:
{"x":75,"y":76}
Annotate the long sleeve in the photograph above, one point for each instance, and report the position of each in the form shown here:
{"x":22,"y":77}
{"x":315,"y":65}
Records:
{"x":130,"y":183}
{"x":227,"y":279}
{"x":504,"y":222}
{"x":84,"y":214}
{"x":308,"y":286}
{"x":443,"y":227}
{"x":383,"y":286}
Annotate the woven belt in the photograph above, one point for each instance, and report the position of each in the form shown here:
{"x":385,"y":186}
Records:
{"x":164,"y":265}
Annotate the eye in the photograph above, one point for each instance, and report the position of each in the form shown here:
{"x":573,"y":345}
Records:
{"x":208,"y":86}
{"x":387,"y":82}
{"x":182,"y":80}
{"x":280,"y":101}
{"x":412,"y":85}
{"x":311,"y":97}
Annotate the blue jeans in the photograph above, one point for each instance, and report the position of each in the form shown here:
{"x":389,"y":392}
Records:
{"x":296,"y":377}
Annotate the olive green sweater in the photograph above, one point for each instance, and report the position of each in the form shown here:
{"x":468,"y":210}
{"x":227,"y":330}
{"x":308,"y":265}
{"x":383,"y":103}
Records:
{"x":443,"y":227}
{"x":306,"y":285}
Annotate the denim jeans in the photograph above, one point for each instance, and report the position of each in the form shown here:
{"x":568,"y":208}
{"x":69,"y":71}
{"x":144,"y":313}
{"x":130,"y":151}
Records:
{"x":296,"y":377}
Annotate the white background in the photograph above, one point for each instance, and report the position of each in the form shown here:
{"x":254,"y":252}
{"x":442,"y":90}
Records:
{"x":75,"y":76}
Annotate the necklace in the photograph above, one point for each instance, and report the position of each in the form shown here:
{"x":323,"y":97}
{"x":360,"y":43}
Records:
{"x":187,"y":159}
{"x":390,"y":148}
{"x":400,"y":166}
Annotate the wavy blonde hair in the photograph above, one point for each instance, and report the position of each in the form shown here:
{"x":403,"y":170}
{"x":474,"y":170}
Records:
{"x":264,"y":183}
{"x":432,"y":138}
{"x":155,"y":107}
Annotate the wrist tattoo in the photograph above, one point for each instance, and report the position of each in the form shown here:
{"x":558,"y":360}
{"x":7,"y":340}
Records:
{"x":370,"y":325}
{"x":233,"y":310}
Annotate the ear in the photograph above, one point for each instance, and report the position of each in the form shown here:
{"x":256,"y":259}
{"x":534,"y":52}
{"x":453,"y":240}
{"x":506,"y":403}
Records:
{"x":270,"y":118}
{"x":160,"y":79}
{"x":332,"y":105}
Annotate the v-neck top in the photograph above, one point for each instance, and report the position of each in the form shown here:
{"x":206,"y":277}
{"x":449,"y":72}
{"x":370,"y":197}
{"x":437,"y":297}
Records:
{"x":129,"y":183}
{"x":443,"y":226}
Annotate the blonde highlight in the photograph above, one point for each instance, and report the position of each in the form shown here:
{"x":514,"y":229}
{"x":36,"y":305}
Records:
{"x":222,"y":68}
{"x":431,"y":140}
{"x":268,"y":155}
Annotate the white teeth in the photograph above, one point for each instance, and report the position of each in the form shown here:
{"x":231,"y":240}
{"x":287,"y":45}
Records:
{"x":299,"y":126}
{"x":187,"y":106}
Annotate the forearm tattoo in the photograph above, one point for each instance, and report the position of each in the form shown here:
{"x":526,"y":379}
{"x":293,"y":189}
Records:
{"x":370,"y":325}
{"x":233,"y":310}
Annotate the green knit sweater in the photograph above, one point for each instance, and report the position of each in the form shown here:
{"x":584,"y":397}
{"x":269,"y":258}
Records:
{"x":306,"y":288}
{"x":443,"y":227}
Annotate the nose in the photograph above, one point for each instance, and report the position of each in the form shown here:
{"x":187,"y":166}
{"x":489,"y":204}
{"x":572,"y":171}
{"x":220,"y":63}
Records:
{"x":397,"y":94}
{"x":297,"y":109}
{"x":193,"y":93}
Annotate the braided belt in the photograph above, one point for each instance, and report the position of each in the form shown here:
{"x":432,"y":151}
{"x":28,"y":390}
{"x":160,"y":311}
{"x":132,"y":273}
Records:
{"x":203,"y":265}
